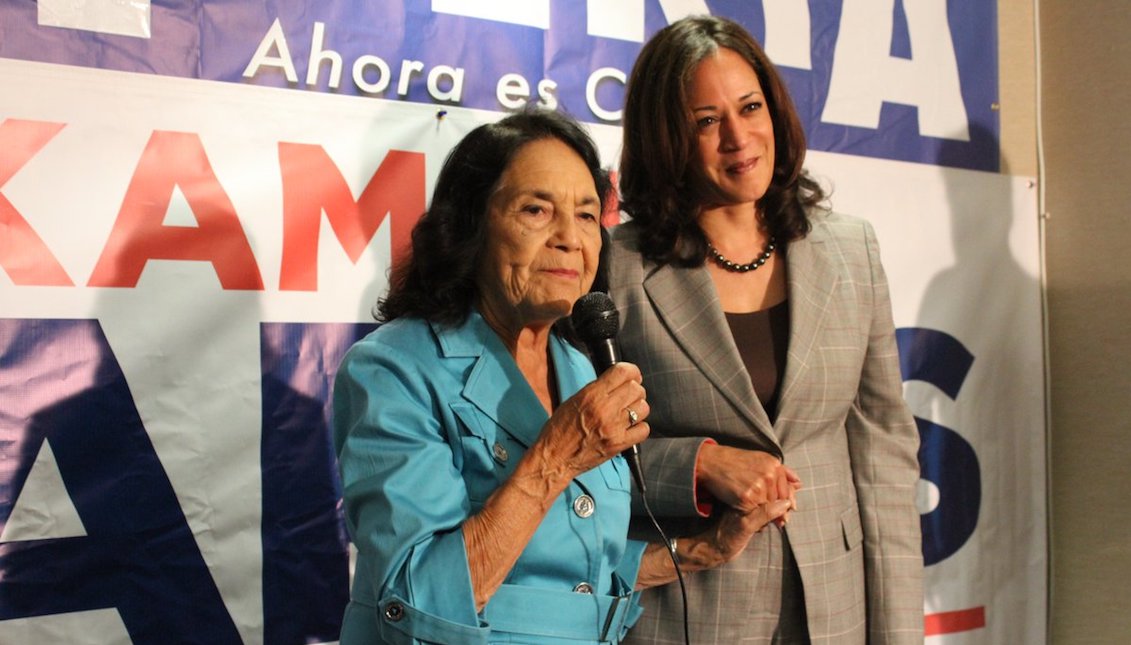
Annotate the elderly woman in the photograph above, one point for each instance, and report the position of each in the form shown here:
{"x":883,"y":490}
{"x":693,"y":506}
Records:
{"x":482,"y":481}
{"x":762,"y":325}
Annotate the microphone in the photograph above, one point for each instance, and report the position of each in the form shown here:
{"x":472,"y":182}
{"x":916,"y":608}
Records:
{"x":595,"y":319}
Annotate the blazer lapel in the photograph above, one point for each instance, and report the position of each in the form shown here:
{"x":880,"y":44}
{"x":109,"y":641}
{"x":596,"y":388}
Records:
{"x":688,"y":304}
{"x":495,"y":386}
{"x":812,"y":279}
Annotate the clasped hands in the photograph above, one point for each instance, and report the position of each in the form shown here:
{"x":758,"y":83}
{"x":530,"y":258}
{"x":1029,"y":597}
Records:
{"x":746,"y":479}
{"x":756,"y":488}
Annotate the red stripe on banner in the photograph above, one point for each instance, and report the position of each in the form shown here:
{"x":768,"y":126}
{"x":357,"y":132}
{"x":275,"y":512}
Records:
{"x":949,"y":622}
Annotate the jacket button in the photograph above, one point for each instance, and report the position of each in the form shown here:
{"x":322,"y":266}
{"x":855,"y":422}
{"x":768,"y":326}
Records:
{"x":499,"y":451}
{"x":583,"y":587}
{"x":394,"y":611}
{"x":584,"y":506}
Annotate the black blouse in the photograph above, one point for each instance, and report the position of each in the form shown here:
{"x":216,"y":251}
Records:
{"x":762,"y":338}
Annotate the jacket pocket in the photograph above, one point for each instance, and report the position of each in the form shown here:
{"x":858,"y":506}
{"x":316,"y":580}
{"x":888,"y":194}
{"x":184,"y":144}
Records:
{"x":850,"y":526}
{"x":479,"y":452}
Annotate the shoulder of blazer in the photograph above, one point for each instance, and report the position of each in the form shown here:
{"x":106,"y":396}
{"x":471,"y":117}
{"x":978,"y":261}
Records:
{"x":624,"y":253}
{"x":628,"y":267}
{"x":826,"y":224}
{"x":839,"y":227}
{"x":417,"y":347}
{"x":395,"y":336}
{"x":848,"y":241}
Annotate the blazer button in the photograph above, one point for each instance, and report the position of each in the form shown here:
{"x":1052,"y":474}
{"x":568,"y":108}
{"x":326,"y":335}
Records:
{"x":394,"y":611}
{"x":584,"y":506}
{"x":499,"y":451}
{"x":583,"y":587}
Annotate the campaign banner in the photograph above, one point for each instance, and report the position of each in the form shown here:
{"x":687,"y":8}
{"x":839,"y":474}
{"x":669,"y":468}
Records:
{"x":199,"y":205}
{"x":915,"y":81}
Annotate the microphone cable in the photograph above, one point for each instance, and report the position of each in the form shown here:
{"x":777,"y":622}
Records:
{"x":669,"y":546}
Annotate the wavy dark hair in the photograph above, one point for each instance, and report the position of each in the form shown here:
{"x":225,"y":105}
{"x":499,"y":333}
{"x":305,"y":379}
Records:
{"x":436,"y":279}
{"x":662,"y":186}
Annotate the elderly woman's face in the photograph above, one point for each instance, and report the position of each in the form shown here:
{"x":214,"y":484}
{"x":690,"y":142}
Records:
{"x":735,"y":144}
{"x":543,"y":236}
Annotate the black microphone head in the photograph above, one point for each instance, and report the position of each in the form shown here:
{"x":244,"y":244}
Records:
{"x":595,"y":317}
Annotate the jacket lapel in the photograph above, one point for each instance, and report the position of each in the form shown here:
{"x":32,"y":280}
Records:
{"x":812,"y":279}
{"x":688,"y":304}
{"x":495,"y":386}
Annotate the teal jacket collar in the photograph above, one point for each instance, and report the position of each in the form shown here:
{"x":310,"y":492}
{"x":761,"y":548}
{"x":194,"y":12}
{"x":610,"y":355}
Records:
{"x":496,"y":386}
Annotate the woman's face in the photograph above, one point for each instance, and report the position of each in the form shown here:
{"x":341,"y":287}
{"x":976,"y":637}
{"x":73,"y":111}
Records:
{"x":736,"y":133}
{"x":543,"y":237}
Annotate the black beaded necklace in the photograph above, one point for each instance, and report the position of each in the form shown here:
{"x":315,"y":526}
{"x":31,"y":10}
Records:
{"x":742,"y":268}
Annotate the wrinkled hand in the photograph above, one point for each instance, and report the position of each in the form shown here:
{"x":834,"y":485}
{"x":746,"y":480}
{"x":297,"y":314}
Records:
{"x":719,"y":544}
{"x":746,"y":479}
{"x":730,"y":535}
{"x":594,"y":425}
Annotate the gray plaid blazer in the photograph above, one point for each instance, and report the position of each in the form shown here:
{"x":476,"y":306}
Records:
{"x":842,"y":425}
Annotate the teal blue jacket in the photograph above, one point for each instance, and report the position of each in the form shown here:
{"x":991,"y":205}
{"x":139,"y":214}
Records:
{"x":428,"y":422}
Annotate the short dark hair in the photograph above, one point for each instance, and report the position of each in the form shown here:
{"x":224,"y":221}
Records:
{"x":661,"y":185}
{"x":436,"y":279}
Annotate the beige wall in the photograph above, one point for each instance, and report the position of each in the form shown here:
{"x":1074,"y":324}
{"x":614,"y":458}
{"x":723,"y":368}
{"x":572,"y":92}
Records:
{"x":1017,"y":103}
{"x":1086,"y":79}
{"x":1085,"y":71}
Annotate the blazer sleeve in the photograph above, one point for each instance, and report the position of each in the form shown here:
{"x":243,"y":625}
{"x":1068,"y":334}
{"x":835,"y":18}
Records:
{"x":405,"y":501}
{"x":883,"y":443}
{"x":668,"y":465}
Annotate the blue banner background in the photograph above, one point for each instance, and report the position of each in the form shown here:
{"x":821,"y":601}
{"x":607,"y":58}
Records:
{"x":217,"y":41}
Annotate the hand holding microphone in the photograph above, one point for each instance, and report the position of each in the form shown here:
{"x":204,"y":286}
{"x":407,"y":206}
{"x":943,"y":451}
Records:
{"x":596,"y":321}
{"x":595,"y":424}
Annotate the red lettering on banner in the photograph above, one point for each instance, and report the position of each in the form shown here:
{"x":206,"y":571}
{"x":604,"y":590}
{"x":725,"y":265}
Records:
{"x":312,"y":184}
{"x":950,"y":622}
{"x":171,"y":160}
{"x":23,"y":254}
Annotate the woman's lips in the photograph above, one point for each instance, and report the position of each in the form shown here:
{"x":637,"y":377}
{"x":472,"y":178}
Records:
{"x":563,"y":273}
{"x":743,"y":166}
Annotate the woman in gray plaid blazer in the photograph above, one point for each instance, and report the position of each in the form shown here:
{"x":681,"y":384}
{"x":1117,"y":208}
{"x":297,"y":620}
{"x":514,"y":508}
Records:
{"x":762,"y":325}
